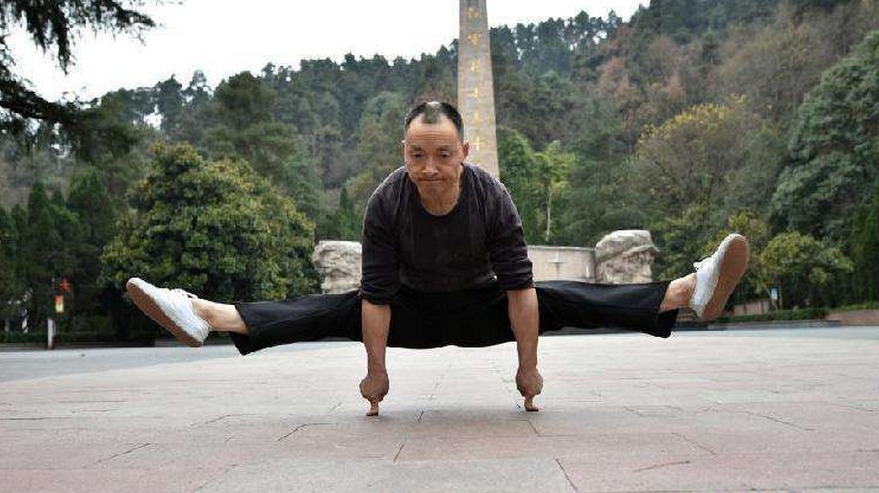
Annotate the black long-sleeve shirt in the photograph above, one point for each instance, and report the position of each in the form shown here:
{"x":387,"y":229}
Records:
{"x":479,"y":240}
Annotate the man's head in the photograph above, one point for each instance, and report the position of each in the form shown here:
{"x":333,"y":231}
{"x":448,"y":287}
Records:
{"x":434,"y":148}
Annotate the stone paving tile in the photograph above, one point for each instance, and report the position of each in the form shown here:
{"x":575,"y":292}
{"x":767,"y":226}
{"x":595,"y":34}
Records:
{"x":427,"y":477}
{"x":596,"y":445}
{"x":699,"y":412}
{"x":776,"y":470}
{"x":173,"y":480}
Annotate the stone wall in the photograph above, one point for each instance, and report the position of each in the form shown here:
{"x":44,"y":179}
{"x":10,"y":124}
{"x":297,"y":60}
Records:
{"x":856,"y":317}
{"x":568,"y":263}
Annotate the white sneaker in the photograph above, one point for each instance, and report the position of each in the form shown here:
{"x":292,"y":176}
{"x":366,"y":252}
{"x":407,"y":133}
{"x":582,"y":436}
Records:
{"x":718,"y":275}
{"x":170,"y":308}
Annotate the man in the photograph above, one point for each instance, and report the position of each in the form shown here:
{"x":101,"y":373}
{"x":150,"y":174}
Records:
{"x":445,"y":262}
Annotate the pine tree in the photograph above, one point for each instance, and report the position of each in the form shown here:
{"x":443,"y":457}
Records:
{"x":90,"y":202}
{"x":39,"y":242}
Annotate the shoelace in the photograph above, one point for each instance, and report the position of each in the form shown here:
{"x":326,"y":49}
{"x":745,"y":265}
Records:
{"x":184,"y":293}
{"x":699,"y":264}
{"x":192,"y":296}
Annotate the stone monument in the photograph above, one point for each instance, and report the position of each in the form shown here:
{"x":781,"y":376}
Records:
{"x":475,"y":86}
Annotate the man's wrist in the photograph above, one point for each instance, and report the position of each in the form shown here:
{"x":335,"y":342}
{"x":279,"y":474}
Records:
{"x":527,"y":355}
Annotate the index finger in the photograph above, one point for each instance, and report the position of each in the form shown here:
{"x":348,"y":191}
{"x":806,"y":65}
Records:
{"x":529,"y":404}
{"x":373,"y":408}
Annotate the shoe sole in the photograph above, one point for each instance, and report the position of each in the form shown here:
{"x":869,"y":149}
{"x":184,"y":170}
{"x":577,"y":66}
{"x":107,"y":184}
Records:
{"x":733,"y":266}
{"x":152,"y":310}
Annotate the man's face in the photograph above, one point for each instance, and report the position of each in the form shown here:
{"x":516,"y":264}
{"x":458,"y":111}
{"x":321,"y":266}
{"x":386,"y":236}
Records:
{"x":434,"y":155}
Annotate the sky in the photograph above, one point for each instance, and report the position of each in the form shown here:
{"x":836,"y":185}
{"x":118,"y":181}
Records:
{"x":222,"y":37}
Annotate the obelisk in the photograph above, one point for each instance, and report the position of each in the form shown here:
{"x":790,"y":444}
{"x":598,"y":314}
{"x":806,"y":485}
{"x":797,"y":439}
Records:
{"x":475,"y":86}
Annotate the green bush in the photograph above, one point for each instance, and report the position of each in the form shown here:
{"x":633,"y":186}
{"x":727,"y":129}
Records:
{"x":872,"y":305}
{"x":22,"y":338}
{"x":798,"y":314}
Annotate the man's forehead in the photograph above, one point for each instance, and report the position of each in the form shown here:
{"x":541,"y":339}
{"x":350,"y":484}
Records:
{"x":441,"y":132}
{"x":439,"y":145}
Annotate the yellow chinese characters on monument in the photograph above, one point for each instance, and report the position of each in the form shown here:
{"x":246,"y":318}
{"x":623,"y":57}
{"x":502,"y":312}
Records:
{"x":475,"y":85}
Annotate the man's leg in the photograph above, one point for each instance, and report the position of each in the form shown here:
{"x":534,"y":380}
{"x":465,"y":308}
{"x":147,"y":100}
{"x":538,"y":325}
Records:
{"x":678,"y":293}
{"x":252,"y":326}
{"x":306,"y":318}
{"x":584,"y":305}
{"x":221,"y":317}
{"x":651,"y":308}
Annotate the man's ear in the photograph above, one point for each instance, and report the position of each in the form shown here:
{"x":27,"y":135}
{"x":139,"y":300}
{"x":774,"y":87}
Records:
{"x":403,"y":148}
{"x":465,"y":148}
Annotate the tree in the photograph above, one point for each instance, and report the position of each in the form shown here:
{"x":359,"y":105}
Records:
{"x":215,"y":228}
{"x":808,"y":272}
{"x":688,"y":160}
{"x":238,"y":123}
{"x":344,"y":223}
{"x":53,"y":26}
{"x":9,"y":282}
{"x":39,"y":248}
{"x":519,"y":172}
{"x":89,"y":200}
{"x":114,"y":138}
{"x":601,"y":197}
{"x":169,"y":99}
{"x":773,"y":67}
{"x":833,"y":147}
{"x":38,"y":159}
{"x":553,"y":166}
{"x":380,"y":133}
{"x":864,"y":245}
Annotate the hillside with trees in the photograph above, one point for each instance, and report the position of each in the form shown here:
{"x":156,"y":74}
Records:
{"x":693,"y":118}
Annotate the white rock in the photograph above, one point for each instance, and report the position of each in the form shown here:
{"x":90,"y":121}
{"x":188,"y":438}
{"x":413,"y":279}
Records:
{"x":625,"y":256}
{"x":338,"y":263}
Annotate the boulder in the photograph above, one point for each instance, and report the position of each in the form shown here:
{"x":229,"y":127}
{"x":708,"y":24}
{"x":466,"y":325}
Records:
{"x":338,"y":263}
{"x":625,"y":256}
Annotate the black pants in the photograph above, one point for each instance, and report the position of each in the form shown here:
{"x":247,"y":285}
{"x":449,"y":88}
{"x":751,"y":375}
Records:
{"x":467,"y":318}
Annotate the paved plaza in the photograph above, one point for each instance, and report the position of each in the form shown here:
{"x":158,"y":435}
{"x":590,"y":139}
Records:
{"x":782,"y":409}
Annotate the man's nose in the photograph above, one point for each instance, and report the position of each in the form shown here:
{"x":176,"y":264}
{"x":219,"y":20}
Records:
{"x":430,"y":167}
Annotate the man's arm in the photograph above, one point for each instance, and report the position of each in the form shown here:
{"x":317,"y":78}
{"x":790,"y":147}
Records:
{"x":509,"y":259}
{"x":376,"y":321}
{"x":379,"y":284}
{"x":525,"y":322}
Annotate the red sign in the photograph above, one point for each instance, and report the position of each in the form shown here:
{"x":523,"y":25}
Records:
{"x":65,"y":286}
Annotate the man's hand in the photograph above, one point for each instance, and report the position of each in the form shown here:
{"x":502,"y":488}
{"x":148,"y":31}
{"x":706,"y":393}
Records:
{"x":530,"y":383}
{"x":374,"y":387}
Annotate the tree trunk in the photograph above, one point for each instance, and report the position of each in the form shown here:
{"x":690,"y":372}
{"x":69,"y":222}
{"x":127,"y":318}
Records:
{"x":548,"y":213}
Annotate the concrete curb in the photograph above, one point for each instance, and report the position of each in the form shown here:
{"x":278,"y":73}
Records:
{"x":776,"y":324}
